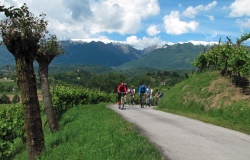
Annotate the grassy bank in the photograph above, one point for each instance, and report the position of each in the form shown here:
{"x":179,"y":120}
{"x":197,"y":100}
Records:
{"x":209,"y":98}
{"x":95,"y":132}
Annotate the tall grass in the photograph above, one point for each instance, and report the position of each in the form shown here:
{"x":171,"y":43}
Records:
{"x":196,"y":98}
{"x":95,"y":132}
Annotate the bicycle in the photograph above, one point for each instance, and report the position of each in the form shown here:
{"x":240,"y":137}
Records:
{"x":122,"y":100}
{"x":156,"y":100}
{"x":131,"y":100}
{"x":148,"y":100}
{"x":142,"y":99}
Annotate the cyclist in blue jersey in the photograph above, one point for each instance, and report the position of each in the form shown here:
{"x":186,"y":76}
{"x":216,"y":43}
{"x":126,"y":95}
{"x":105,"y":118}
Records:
{"x":142,"y":90}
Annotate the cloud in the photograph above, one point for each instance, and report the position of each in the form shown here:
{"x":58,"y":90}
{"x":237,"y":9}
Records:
{"x":240,"y":8}
{"x":79,"y":9}
{"x":88,"y":18}
{"x":191,"y":11}
{"x":144,"y":42}
{"x":121,"y":16}
{"x":211,"y":17}
{"x":152,"y":30}
{"x":173,"y":24}
{"x":244,"y":24}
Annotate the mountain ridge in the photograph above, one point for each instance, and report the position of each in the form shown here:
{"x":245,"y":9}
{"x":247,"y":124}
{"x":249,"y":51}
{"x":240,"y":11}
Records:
{"x":115,"y":54}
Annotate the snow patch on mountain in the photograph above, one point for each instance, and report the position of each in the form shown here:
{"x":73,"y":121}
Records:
{"x":125,"y":46}
{"x":200,"y":43}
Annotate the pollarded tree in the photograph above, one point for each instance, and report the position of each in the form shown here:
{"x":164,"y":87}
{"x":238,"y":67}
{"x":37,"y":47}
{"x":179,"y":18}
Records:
{"x":21,"y":36}
{"x":48,"y":50}
{"x":11,"y":11}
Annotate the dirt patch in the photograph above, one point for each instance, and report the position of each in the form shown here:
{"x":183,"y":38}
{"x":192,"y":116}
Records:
{"x":225,"y":93}
{"x":222,"y":93}
{"x":186,"y":86}
{"x":39,"y":94}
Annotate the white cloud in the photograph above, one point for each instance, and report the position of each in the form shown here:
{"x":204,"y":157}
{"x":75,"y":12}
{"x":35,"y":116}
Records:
{"x":191,"y":11}
{"x":173,"y":24}
{"x":88,"y":18}
{"x":240,"y":8}
{"x":244,"y":24}
{"x":152,"y":30}
{"x":211,"y":17}
{"x":144,"y":42}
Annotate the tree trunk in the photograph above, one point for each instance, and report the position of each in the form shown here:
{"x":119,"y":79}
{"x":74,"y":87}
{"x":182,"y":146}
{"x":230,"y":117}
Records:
{"x":48,"y":106}
{"x":32,"y":117}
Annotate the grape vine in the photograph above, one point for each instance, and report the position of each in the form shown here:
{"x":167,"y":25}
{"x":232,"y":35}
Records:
{"x":230,"y":59}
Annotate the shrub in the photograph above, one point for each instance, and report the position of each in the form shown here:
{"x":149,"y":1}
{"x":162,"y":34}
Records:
{"x":16,"y":99}
{"x":5,"y":99}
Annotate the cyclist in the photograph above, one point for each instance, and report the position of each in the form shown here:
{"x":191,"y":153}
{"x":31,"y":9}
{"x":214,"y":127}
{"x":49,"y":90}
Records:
{"x":158,"y":96}
{"x":150,"y":93}
{"x":132,"y":94}
{"x":121,"y":89}
{"x":125,"y":96}
{"x":142,"y":90}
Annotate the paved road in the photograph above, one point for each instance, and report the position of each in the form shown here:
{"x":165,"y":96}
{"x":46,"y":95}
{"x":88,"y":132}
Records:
{"x":183,"y":138}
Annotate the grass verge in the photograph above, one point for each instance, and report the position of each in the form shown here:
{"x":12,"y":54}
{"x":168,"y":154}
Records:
{"x":210,"y":98}
{"x":95,"y":132}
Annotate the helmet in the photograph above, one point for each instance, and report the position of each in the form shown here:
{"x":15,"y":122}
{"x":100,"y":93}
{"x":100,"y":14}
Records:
{"x":132,"y":86}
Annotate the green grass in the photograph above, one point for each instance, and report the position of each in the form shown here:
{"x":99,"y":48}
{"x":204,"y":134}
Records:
{"x":8,"y":82}
{"x":95,"y":132}
{"x":197,"y":98}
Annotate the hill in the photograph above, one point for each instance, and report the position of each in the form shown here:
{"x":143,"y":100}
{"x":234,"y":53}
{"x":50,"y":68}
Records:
{"x":211,"y":98}
{"x":121,"y":56}
{"x":176,"y":57}
{"x":96,"y":53}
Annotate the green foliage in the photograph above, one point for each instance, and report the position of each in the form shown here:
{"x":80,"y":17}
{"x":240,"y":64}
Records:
{"x":226,"y":57}
{"x":11,"y":127}
{"x":104,"y":82}
{"x":64,"y":97}
{"x":108,"y":82}
{"x":11,"y":11}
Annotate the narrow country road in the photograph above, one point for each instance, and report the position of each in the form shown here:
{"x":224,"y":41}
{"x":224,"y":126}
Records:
{"x":182,"y":138}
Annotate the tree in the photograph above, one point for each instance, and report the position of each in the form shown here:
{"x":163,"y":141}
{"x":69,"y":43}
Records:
{"x":21,"y":36}
{"x":11,"y":12}
{"x":48,"y":50}
{"x":16,"y":99}
{"x":5,"y":99}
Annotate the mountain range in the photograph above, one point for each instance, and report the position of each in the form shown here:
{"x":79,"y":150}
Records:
{"x":121,"y":56}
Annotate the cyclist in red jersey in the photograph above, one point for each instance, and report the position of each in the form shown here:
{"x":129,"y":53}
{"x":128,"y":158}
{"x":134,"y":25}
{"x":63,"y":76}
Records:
{"x":121,"y":88}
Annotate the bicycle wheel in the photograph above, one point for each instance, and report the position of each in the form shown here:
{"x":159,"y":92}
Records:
{"x":119,"y":105}
{"x":142,"y":101}
{"x":132,"y":101}
{"x":122,"y":103}
{"x":147,"y":101}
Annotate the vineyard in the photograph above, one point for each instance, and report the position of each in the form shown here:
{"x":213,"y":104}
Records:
{"x":64,"y":97}
{"x":230,"y":59}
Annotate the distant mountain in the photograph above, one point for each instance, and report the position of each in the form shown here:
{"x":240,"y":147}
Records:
{"x":83,"y":53}
{"x":121,"y":56}
{"x":96,"y":53}
{"x":177,"y":56}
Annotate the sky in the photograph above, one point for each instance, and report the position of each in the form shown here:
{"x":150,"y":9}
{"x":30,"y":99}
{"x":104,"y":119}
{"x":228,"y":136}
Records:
{"x":142,"y":23}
